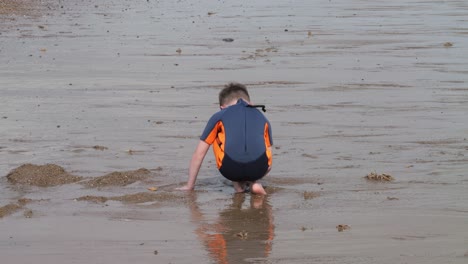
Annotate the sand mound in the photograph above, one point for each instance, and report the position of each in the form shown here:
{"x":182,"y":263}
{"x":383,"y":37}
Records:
{"x":23,"y":7}
{"x":118,"y":178}
{"x":379,"y":177}
{"x":342,"y":228}
{"x":41,"y":175}
{"x":310,"y":195}
{"x":9,"y":7}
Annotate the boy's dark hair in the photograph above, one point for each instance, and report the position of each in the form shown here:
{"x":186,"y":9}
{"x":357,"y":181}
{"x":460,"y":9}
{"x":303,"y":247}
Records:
{"x":233,"y":91}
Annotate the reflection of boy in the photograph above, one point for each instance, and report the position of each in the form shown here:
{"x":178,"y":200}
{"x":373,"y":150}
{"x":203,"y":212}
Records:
{"x":241,"y":138}
{"x":241,"y":234}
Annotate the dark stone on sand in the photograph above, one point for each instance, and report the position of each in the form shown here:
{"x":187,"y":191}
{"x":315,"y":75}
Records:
{"x":448,"y":44}
{"x":97,"y":147}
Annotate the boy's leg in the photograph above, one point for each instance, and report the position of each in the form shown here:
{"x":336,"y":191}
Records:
{"x":237,"y":173}
{"x":239,"y":187}
{"x":257,"y":188}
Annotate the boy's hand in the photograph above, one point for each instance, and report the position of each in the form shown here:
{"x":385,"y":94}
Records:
{"x":185,"y":188}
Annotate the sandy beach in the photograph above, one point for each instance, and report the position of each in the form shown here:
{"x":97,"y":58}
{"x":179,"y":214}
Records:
{"x":102,"y":104}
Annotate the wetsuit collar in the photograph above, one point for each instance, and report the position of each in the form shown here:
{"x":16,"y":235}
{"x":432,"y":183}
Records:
{"x":241,"y":101}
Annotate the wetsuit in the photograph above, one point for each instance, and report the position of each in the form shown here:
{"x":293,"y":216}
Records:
{"x":241,"y":137}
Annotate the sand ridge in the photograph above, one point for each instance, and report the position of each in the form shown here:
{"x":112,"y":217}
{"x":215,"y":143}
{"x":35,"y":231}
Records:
{"x":50,"y":175}
{"x":13,"y":207}
{"x":118,"y":178}
{"x":136,"y":198}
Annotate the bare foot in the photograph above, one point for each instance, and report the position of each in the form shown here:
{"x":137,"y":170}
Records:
{"x":239,"y":187}
{"x":257,"y":188}
{"x":185,"y":188}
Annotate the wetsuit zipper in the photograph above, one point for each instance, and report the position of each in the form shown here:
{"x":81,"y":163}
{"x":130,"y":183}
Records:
{"x":245,"y":131}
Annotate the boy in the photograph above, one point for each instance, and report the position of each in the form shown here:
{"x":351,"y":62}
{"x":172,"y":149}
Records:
{"x":241,"y":139}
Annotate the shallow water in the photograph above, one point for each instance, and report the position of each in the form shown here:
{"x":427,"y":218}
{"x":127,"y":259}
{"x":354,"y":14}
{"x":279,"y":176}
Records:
{"x":375,"y":86}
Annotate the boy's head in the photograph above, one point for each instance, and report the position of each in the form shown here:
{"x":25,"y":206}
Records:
{"x":231,"y":93}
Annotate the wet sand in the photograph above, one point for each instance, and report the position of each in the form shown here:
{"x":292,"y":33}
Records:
{"x":113,"y":95}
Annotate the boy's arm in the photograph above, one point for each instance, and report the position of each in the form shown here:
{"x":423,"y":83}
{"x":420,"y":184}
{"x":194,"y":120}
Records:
{"x":195,"y":164}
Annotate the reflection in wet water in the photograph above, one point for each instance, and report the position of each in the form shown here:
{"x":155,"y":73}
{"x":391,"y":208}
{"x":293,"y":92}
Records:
{"x":241,"y":231}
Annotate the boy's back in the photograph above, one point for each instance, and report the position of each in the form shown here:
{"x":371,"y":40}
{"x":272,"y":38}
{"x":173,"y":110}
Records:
{"x":239,"y":131}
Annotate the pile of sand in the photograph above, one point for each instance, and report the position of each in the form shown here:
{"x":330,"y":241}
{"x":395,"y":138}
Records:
{"x":379,"y":177}
{"x":342,"y":228}
{"x":118,"y":178}
{"x":52,"y":175}
{"x":10,"y":7}
{"x":41,"y":175}
{"x":23,"y":7}
{"x":310,"y":195}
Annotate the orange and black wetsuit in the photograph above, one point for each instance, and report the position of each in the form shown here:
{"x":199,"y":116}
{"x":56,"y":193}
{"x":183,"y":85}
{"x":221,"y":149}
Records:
{"x":241,"y":139}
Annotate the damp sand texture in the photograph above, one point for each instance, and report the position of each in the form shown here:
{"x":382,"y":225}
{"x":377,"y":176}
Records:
{"x":104,"y":88}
